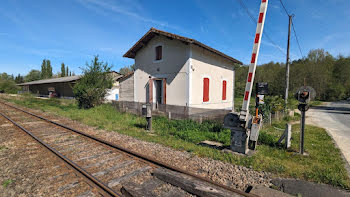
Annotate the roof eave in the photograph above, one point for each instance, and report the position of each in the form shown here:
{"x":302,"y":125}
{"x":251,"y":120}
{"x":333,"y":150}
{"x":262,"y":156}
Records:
{"x":132,"y":54}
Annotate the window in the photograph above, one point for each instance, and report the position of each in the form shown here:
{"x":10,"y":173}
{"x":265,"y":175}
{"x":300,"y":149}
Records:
{"x":158,"y":52}
{"x":224,"y":83}
{"x":205,"y":89}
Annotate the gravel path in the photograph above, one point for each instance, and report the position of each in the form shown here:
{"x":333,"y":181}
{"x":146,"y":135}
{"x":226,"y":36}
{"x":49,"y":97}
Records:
{"x":231,"y":175}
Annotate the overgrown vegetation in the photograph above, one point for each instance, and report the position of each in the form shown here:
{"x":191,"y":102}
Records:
{"x":91,"y":89}
{"x":324,"y":164}
{"x":7,"y":84}
{"x":328,"y":75}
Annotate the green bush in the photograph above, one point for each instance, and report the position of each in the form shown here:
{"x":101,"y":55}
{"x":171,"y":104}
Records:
{"x":272,"y":104}
{"x":8,"y":86}
{"x":92,"y":87}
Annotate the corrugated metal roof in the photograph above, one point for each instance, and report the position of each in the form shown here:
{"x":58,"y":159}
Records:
{"x":53,"y":80}
{"x":153,"y":32}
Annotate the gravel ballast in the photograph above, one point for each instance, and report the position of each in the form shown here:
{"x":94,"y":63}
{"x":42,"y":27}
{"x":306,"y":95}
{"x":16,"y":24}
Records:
{"x":28,"y":169}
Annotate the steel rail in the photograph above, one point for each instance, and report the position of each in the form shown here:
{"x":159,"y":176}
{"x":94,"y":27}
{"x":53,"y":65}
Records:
{"x":106,"y":191}
{"x":144,"y":157}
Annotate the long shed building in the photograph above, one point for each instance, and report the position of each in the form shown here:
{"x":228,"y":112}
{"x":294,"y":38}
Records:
{"x":62,"y":86}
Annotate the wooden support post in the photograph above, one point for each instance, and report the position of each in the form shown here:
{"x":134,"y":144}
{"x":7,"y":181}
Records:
{"x":286,"y":136}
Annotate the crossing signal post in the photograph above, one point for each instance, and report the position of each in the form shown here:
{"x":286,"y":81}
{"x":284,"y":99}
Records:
{"x":261,"y":90}
{"x":244,"y":130}
{"x":304,"y":95}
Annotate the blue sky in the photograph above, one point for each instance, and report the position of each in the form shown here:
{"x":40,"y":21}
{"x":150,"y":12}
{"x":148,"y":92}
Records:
{"x":72,"y":31}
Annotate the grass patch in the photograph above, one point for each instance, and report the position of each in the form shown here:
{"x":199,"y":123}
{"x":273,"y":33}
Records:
{"x":315,"y":103}
{"x":3,"y":148}
{"x":7,"y":182}
{"x":324,"y":164}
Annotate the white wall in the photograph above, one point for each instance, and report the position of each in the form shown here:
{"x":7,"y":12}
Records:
{"x":216,"y":68}
{"x":172,"y":67}
{"x":110,"y":96}
{"x":184,"y":66}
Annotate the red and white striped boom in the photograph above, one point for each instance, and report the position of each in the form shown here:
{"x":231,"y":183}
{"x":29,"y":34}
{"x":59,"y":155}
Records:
{"x":250,"y":79}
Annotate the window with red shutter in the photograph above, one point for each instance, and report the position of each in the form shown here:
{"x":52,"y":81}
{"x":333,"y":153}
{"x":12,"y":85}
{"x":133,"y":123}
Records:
{"x":224,"y":83}
{"x":205,"y":89}
{"x":158,"y":52}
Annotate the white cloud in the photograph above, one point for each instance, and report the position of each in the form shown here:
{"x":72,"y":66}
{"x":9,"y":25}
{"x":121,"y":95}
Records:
{"x":127,"y":11}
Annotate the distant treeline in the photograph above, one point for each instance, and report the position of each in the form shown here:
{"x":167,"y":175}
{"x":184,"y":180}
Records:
{"x":328,"y":75}
{"x":8,"y":82}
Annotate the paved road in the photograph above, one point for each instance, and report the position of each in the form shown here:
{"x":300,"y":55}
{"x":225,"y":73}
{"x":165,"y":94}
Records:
{"x":335,"y":118}
{"x":341,"y":112}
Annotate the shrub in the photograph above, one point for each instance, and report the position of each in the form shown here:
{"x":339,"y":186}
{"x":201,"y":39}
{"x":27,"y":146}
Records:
{"x":8,"y":86}
{"x":92,"y":87}
{"x":272,"y":104}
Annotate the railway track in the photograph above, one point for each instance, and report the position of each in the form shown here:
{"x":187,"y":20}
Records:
{"x":110,"y":169}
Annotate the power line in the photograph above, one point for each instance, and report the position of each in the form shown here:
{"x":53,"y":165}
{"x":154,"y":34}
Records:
{"x":254,"y":20}
{"x":296,"y":37}
{"x":284,"y":8}
{"x":295,"y":33}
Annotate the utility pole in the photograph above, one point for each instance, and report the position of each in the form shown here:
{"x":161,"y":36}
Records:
{"x":287,"y":61}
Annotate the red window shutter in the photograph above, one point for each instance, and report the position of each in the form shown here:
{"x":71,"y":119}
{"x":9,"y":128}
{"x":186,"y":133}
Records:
{"x":224,"y":83}
{"x":205,"y":89}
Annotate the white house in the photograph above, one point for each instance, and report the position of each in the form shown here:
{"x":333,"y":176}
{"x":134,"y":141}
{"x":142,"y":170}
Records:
{"x":113,"y":93}
{"x":175,"y":70}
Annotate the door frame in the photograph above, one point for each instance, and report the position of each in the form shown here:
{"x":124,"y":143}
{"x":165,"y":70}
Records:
{"x":153,"y":90}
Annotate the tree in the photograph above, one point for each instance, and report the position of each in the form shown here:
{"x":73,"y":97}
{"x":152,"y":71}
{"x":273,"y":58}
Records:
{"x":67,"y":71}
{"x":49,"y":69}
{"x":43,"y":69}
{"x":328,"y":75}
{"x":33,"y":75}
{"x":19,"y":79}
{"x":7,"y":84}
{"x":63,"y":70}
{"x":91,"y":89}
{"x":127,"y":69}
{"x":46,"y":69}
